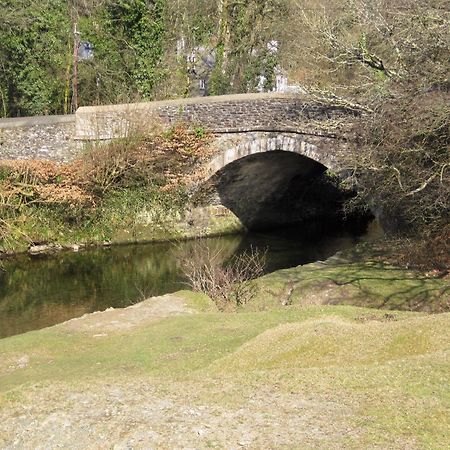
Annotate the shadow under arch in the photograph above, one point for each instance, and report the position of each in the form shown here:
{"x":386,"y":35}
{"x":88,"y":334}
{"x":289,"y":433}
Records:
{"x":277,"y":188}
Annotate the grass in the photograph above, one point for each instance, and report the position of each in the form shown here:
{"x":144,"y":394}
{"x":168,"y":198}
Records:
{"x":129,"y":215}
{"x":207,"y":335}
{"x":389,"y":370}
{"x":358,"y":283}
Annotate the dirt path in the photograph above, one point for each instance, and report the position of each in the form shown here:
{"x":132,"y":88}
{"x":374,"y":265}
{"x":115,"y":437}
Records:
{"x":119,"y":320}
{"x":138,"y":415}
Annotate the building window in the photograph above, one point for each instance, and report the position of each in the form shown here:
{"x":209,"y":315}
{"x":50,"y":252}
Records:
{"x":202,"y":85}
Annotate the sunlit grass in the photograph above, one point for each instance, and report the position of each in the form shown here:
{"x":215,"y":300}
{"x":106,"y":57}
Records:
{"x":389,"y":371}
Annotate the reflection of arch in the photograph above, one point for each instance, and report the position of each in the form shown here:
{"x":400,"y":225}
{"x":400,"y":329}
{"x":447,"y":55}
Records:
{"x":250,"y":145}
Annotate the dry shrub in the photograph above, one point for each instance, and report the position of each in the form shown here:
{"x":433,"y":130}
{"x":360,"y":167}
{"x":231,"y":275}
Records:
{"x":70,"y":195}
{"x":30,"y":172}
{"x":178,"y":154}
{"x":166,"y":159}
{"x":26,"y":182}
{"x":229,"y":285}
{"x":392,"y":57}
{"x":104,"y":166}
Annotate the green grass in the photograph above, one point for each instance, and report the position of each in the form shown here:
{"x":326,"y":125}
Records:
{"x":193,"y":341}
{"x":358,"y":283}
{"x":390,"y":370}
{"x":198,"y":301}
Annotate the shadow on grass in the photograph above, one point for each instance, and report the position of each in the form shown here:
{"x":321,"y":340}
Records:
{"x":368,"y":284}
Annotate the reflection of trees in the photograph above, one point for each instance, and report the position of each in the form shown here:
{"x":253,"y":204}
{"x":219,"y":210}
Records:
{"x":37,"y":292}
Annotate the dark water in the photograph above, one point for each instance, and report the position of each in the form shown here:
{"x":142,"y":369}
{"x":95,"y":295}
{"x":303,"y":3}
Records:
{"x":36,"y":292}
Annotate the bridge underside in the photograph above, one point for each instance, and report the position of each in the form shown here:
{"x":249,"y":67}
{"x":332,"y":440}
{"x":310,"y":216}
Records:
{"x":277,"y":188}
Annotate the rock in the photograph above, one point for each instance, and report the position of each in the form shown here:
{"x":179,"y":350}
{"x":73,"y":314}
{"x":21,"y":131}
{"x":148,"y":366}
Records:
{"x":45,"y":249}
{"x":74,"y":247}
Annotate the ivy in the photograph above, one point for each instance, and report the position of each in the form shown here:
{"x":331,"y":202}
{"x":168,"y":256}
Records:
{"x":141,"y":26}
{"x":33,"y":37}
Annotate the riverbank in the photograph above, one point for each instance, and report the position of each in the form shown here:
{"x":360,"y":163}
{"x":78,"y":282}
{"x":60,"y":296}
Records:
{"x":131,"y":190}
{"x":285,"y":370}
{"x":172,"y":372}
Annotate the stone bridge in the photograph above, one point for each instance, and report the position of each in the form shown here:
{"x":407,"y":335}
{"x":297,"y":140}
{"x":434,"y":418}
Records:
{"x":244,"y":124}
{"x":271,"y":150}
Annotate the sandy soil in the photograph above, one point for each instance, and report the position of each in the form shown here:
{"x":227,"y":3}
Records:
{"x":137,"y":415}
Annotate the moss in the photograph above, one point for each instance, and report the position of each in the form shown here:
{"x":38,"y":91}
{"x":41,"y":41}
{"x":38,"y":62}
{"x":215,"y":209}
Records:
{"x":360,"y":283}
{"x":197,"y":301}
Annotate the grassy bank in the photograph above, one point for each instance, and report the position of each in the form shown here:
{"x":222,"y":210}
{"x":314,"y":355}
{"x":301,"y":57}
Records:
{"x":116,"y":215}
{"x":329,"y":376}
{"x":358,"y":277}
{"x":131,"y":190}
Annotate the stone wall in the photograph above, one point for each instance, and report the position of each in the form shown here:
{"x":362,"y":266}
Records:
{"x":233,"y":146}
{"x":42,"y":137}
{"x":221,"y":114}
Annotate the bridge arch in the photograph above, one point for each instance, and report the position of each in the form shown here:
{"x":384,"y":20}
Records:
{"x":240,"y":145}
{"x":272,"y":179}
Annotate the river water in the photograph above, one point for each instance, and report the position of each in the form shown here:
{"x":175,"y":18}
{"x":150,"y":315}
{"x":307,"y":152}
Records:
{"x":36,"y":292}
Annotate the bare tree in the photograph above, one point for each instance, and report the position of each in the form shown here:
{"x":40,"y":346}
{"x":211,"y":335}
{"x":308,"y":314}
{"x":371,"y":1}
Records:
{"x":392,"y":58}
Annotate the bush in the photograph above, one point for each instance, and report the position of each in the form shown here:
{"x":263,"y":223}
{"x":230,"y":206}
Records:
{"x":148,"y":170}
{"x":229,"y":285}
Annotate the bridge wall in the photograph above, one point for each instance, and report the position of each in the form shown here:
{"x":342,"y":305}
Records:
{"x":221,"y":114}
{"x":41,"y":137}
{"x":298,"y":123}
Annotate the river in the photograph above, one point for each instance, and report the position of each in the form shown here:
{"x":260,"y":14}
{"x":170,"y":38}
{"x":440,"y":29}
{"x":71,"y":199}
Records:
{"x":36,"y":292}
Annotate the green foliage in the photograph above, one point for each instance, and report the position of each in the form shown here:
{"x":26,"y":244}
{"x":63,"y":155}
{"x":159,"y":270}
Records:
{"x":36,"y":48}
{"x":248,"y":27}
{"x":220,"y":82}
{"x":264,"y":64}
{"x":4,"y":173}
{"x":33,"y":54}
{"x":141,"y":24}
{"x":134,"y":54}
{"x":199,"y":132}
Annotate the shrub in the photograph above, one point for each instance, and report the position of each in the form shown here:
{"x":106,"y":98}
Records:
{"x":229,"y":285}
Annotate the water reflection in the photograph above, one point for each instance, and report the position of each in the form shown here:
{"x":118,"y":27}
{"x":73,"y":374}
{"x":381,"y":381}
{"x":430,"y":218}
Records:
{"x":39,"y":292}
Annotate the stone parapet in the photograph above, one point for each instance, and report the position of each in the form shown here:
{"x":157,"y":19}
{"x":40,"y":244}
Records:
{"x":220,"y":114}
{"x":42,"y":137}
